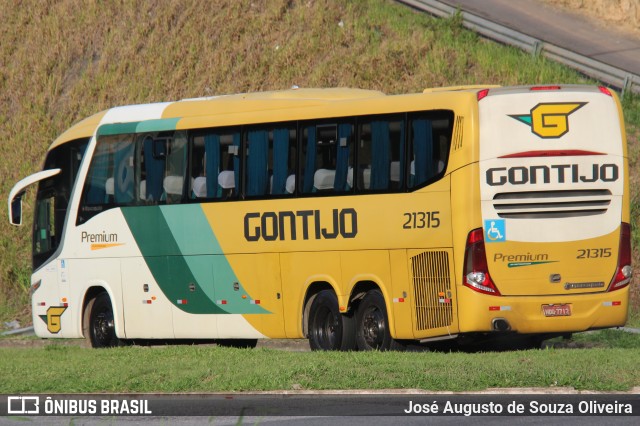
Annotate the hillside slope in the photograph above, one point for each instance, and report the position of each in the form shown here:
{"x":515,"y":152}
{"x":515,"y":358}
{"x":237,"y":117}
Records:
{"x":64,"y":60}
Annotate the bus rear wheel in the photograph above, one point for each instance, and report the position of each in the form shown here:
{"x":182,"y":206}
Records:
{"x":372,"y":324}
{"x":329,"y":330}
{"x":98,"y":325}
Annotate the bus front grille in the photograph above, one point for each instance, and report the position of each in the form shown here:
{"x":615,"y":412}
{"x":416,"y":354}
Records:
{"x":432,"y":290}
{"x":551,"y":204}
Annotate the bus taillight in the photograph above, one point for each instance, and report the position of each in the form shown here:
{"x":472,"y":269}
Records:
{"x":482,"y":94}
{"x":624,"y":271}
{"x":534,"y":88}
{"x":605,"y":90}
{"x":476,"y":272}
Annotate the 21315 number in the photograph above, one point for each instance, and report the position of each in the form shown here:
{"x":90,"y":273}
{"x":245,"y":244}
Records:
{"x":421,"y":220}
{"x":593,"y":253}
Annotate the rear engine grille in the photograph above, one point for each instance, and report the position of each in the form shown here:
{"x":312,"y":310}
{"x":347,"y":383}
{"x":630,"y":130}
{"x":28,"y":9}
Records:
{"x":432,"y":289}
{"x":551,"y":204}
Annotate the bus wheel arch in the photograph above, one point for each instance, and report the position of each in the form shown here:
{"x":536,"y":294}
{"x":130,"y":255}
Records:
{"x":360,"y":289}
{"x":323,"y":323}
{"x":98,"y":323}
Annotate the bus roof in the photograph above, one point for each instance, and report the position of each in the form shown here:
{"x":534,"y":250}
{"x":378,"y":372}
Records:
{"x":246,"y":108}
{"x":205,"y":106}
{"x":265,"y":107}
{"x":83,"y":129}
{"x":508,"y":90}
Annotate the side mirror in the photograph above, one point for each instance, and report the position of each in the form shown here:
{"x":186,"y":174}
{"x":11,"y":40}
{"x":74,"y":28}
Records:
{"x":17,"y":192}
{"x":15,"y":215}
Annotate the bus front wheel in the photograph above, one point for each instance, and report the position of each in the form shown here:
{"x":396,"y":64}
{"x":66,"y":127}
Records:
{"x":98,"y":325}
{"x":329,"y":330}
{"x":372,"y":324}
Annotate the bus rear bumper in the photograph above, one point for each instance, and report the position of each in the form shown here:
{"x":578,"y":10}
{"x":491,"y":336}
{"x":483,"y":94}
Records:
{"x":543,"y":314}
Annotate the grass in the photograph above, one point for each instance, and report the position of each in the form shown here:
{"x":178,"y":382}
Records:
{"x":634,"y":319}
{"x":609,"y":364}
{"x":60,"y":63}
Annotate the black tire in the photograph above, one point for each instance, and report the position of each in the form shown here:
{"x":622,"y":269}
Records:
{"x":237,"y":343}
{"x":329,"y":330}
{"x":98,"y":323}
{"x":372,"y":324}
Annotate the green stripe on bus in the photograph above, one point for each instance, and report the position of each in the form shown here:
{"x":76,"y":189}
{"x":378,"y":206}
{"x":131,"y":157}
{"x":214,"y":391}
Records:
{"x":200,"y":247}
{"x":117,"y":128}
{"x":161,"y":124}
{"x":168,"y":266}
{"x":186,"y":261}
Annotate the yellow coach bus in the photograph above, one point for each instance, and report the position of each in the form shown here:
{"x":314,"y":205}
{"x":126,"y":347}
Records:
{"x":352,"y":218}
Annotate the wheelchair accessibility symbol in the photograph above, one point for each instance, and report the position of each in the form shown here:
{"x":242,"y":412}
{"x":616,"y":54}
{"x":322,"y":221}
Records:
{"x":495,"y":230}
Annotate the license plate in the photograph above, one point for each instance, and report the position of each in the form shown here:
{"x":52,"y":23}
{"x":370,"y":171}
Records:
{"x":563,"y":310}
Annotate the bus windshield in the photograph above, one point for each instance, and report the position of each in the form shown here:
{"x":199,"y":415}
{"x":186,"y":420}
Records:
{"x":52,"y":199}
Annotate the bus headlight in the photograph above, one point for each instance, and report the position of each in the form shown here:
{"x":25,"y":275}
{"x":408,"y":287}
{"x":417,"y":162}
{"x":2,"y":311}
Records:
{"x":34,"y":287}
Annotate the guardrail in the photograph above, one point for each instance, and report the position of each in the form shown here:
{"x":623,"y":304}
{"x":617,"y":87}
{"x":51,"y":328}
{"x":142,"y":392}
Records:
{"x":616,"y":77}
{"x":18,"y":331}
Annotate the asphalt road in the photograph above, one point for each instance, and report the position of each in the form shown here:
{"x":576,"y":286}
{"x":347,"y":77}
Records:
{"x":571,"y":31}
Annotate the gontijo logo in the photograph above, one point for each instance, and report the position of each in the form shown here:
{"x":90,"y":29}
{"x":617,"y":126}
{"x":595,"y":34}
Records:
{"x":549,"y":120}
{"x":52,"y":319}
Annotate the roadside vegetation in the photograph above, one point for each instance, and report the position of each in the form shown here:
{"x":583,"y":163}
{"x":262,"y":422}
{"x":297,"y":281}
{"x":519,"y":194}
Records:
{"x":609,"y":364}
{"x":62,"y":61}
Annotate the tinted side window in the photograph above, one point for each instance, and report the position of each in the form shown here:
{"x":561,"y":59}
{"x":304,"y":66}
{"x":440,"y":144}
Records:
{"x":381,"y":154}
{"x":270,"y":160}
{"x":215,"y":164}
{"x":429,"y":142}
{"x":135,"y":169}
{"x":174,"y":181}
{"x":110,"y":180}
{"x":326,"y":162}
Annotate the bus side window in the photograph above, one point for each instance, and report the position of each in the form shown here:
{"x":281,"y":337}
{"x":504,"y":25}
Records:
{"x":198,"y":163}
{"x":214,"y":161}
{"x":229,"y":177}
{"x":327,"y":158}
{"x":283,"y":178}
{"x":152,"y":166}
{"x":257,"y":162}
{"x":95,"y":191}
{"x":110,"y":181}
{"x":381,"y":155}
{"x":429,"y":147}
{"x":123,"y":179}
{"x":270,"y":159}
{"x":111,"y":175}
{"x":173,"y":183}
